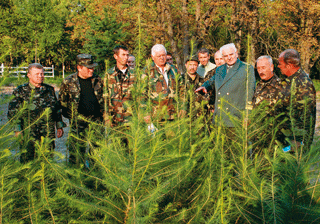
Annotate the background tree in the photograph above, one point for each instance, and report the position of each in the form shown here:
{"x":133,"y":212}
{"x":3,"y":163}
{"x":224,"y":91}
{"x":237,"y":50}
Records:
{"x":56,"y":31}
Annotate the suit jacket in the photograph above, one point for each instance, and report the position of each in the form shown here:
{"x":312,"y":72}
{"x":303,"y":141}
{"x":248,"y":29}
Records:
{"x":234,"y":92}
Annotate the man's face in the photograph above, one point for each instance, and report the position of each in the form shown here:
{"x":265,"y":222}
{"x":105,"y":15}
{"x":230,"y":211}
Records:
{"x":191,"y":67}
{"x":284,"y":68}
{"x":218,"y":59}
{"x":265,"y":69}
{"x":85,"y":72}
{"x":36,"y":76}
{"x":122,"y":57}
{"x":203,"y":58}
{"x":170,"y":59}
{"x":230,"y":55}
{"x":131,"y":62}
{"x":160,"y":58}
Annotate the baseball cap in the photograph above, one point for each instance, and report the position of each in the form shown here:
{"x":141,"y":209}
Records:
{"x":86,"y":60}
{"x":192,"y":58}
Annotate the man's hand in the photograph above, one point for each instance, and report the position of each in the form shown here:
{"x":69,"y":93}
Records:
{"x":59,"y":132}
{"x":201,"y":89}
{"x":147,"y":119}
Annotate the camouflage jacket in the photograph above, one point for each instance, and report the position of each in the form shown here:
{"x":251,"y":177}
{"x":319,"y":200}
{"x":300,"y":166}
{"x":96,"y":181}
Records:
{"x":160,"y":94}
{"x":118,"y":94}
{"x":270,"y":91}
{"x":188,"y":88}
{"x":32,"y":102}
{"x":69,"y":95}
{"x":299,"y":105}
{"x":268,"y":113}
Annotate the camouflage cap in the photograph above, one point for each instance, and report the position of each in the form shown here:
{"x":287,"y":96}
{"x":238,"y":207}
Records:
{"x":86,"y":60}
{"x":192,"y":58}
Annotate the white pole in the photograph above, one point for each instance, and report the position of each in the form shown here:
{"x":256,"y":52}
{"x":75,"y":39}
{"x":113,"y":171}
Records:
{"x":2,"y":69}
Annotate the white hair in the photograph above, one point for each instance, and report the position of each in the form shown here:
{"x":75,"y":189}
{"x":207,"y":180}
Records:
{"x":266,"y":57}
{"x":157,"y":48}
{"x":231,"y":45}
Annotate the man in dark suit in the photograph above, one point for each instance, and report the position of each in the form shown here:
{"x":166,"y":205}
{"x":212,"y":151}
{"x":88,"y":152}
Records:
{"x":234,"y":83}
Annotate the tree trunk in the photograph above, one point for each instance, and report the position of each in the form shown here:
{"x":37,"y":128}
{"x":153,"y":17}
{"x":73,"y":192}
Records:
{"x":170,"y":31}
{"x":186,"y":34}
{"x":254,"y":31}
{"x":236,"y":23}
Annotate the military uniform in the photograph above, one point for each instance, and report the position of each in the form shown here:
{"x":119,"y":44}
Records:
{"x":190,"y":84}
{"x":300,"y":108}
{"x":161,"y":94}
{"x":118,"y":94}
{"x":270,"y":91}
{"x":70,"y":96}
{"x":32,"y":103}
{"x":267,"y":102}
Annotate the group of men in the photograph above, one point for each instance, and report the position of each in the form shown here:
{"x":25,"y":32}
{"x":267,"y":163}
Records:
{"x":227,"y":89}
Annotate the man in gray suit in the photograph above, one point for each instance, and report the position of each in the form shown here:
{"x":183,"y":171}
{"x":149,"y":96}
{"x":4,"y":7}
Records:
{"x":235,"y":84}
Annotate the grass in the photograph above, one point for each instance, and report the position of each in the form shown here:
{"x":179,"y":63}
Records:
{"x":316,"y":83}
{"x":6,"y":81}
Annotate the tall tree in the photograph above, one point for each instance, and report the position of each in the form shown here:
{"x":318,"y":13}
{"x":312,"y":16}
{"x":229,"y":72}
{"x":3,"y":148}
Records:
{"x":104,"y":33}
{"x":299,"y":27}
{"x":31,"y":27}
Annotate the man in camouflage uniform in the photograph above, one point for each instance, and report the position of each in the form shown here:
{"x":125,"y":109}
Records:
{"x":267,"y":103}
{"x":81,"y":94}
{"x":269,"y":87}
{"x":120,"y":81}
{"x":299,"y":101}
{"x":29,"y":104}
{"x":192,"y":81}
{"x":162,"y":87}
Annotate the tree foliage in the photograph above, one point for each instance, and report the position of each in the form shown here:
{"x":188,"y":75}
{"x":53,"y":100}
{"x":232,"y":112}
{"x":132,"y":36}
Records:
{"x":180,"y":174}
{"x":57,"y":30}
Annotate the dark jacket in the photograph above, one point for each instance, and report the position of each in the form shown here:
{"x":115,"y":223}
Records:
{"x":234,"y":92}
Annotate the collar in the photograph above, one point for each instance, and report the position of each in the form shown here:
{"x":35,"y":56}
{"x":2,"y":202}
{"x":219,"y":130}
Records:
{"x":33,"y":87}
{"x":272,"y":79}
{"x":165,"y":69}
{"x":118,"y":70}
{"x":189,"y":77}
{"x":296,"y":74}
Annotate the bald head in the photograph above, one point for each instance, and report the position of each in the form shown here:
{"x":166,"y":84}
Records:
{"x":218,"y":59}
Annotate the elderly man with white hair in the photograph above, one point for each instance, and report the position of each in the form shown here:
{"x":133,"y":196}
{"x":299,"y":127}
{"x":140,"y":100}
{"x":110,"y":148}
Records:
{"x":162,"y":86}
{"x":234,"y":83}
